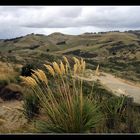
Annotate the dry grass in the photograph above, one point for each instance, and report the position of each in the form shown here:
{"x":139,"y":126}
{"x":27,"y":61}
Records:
{"x":11,"y":118}
{"x":7,"y":71}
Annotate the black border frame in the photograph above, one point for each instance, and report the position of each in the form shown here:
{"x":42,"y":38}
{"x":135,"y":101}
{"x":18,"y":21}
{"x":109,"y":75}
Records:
{"x":71,"y":3}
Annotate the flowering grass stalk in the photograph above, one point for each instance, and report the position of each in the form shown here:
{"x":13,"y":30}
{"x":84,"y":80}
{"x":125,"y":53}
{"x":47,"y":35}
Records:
{"x":66,"y":109}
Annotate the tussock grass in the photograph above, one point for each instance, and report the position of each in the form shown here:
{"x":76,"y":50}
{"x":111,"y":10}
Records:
{"x":65,"y":108}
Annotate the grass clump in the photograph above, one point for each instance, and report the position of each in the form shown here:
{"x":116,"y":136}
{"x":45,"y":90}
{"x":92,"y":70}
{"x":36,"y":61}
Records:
{"x":31,"y":105}
{"x":115,"y":110}
{"x":64,"y":107}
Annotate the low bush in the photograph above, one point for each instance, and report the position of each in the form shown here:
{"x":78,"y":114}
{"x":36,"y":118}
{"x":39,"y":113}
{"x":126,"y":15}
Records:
{"x":27,"y":70}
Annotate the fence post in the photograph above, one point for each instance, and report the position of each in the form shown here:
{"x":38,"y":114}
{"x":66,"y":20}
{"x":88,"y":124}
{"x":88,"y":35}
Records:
{"x":130,"y":101}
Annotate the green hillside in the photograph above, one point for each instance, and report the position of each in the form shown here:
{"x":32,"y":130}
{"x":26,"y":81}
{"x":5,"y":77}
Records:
{"x":116,"y":52}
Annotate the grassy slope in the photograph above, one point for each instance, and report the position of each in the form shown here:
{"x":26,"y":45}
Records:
{"x":116,"y":52}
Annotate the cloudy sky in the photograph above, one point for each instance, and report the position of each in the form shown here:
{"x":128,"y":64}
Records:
{"x":21,"y":20}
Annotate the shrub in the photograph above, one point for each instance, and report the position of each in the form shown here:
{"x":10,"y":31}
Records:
{"x":3,"y":82}
{"x":9,"y":51}
{"x":48,"y":50}
{"x":27,"y":70}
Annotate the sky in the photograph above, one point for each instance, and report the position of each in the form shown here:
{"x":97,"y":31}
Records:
{"x":21,"y":20}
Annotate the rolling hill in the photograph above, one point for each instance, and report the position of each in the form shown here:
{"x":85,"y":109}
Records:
{"x":116,"y":52}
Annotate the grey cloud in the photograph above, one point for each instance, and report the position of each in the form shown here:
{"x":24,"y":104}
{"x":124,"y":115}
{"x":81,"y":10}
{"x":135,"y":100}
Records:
{"x":20,"y":20}
{"x":97,"y":16}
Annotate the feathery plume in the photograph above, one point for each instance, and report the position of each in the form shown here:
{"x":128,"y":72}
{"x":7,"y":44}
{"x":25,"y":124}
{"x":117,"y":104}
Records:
{"x":62,"y":67}
{"x":75,"y":68}
{"x":42,"y":76}
{"x":34,"y":77}
{"x":56,"y":68}
{"x":83,"y":65}
{"x":66,"y":68}
{"x":97,"y":71}
{"x":76,"y":60}
{"x":66,"y":60}
{"x":50,"y":69}
{"x":29,"y":80}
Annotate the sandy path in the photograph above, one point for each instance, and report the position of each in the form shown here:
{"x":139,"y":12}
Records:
{"x":118,"y":86}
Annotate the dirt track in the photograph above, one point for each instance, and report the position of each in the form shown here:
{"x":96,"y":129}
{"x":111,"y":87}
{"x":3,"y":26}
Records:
{"x":118,"y":86}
